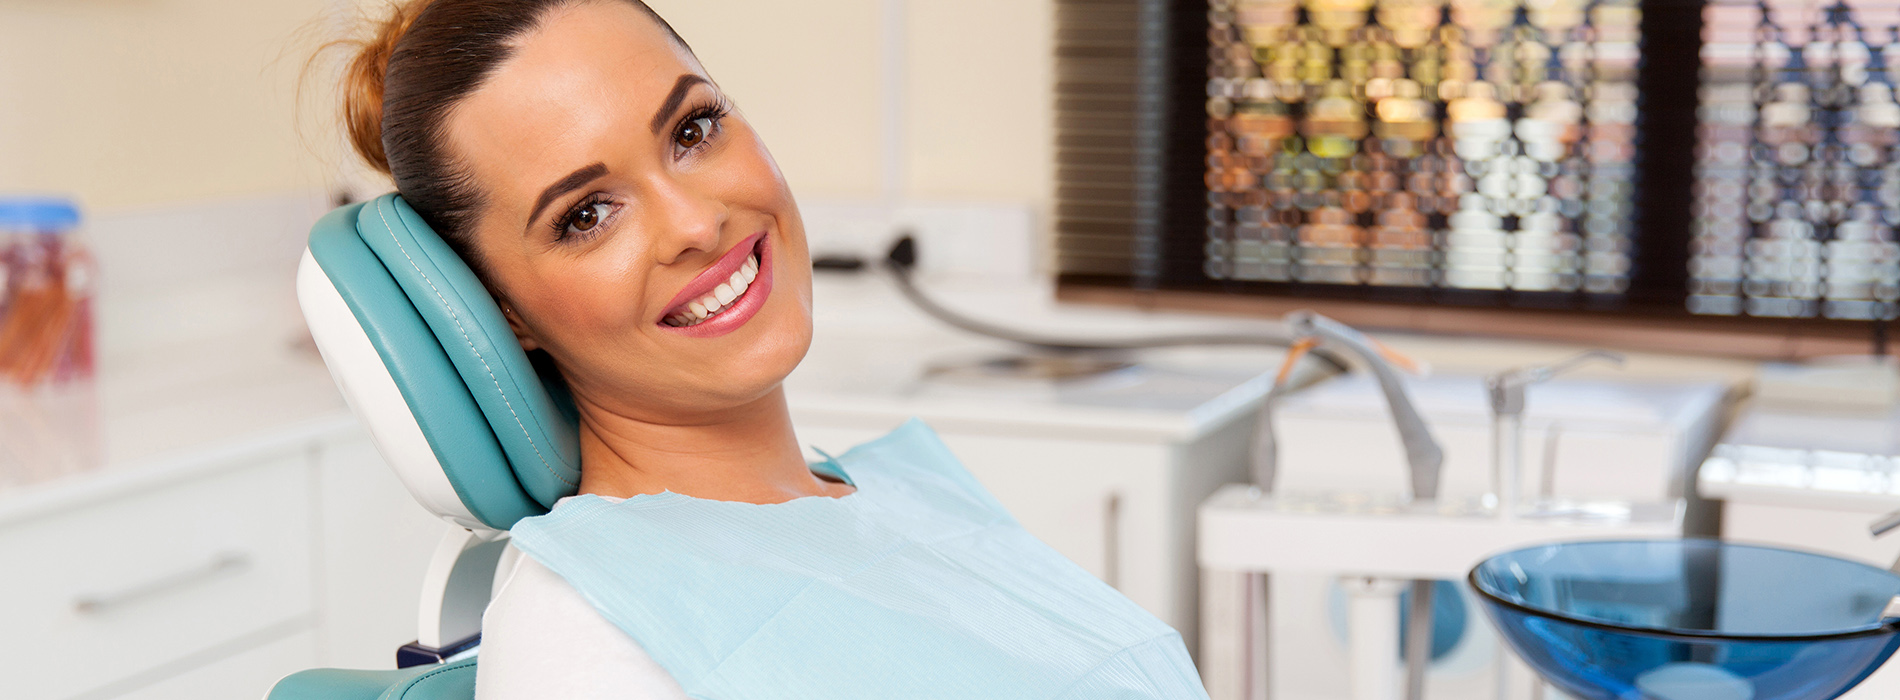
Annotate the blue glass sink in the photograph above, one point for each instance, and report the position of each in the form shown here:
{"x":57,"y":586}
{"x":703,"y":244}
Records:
{"x":1690,"y":619}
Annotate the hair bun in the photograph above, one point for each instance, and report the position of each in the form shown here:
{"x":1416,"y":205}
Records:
{"x":363,"y":78}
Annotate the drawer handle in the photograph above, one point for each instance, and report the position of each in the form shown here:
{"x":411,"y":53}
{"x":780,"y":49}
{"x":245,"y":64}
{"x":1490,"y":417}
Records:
{"x":221,"y":565}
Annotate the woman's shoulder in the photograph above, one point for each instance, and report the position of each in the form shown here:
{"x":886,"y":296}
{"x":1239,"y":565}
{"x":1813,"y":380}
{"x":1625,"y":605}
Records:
{"x":541,"y":639}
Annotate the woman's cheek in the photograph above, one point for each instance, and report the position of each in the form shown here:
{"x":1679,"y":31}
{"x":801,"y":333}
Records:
{"x":575,"y":315}
{"x":605,"y":294}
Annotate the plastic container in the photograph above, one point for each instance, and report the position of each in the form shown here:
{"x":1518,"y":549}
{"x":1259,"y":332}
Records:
{"x":1691,"y":619}
{"x":48,"y":401}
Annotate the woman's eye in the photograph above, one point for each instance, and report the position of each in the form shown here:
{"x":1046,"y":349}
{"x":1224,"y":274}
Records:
{"x":586,"y":218}
{"x":694,"y":132}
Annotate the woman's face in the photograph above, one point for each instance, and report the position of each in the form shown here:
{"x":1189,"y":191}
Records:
{"x":633,"y":227}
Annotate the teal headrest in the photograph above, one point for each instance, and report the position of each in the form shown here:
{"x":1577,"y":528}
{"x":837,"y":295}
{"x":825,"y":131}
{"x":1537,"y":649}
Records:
{"x":502,"y":429}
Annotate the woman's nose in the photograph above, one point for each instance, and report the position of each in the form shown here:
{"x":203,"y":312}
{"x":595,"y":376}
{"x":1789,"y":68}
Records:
{"x":687,"y":220}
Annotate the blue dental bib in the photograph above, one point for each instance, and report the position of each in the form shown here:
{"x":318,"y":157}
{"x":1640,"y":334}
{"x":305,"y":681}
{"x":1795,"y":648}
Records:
{"x":917,"y":586}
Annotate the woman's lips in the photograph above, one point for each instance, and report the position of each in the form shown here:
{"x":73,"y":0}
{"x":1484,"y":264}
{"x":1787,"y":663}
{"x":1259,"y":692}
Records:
{"x":710,"y":278}
{"x":742,"y":308}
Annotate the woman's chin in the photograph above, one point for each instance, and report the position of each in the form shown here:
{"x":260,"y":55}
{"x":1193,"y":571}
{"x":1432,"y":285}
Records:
{"x":749,"y":375}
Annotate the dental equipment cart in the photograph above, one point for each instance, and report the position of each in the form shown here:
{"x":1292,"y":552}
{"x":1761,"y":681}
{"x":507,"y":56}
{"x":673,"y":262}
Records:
{"x":1269,"y":554}
{"x":1245,"y":533}
{"x":1594,"y":438}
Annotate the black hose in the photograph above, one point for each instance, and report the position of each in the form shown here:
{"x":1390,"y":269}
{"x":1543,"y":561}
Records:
{"x":902,"y":259}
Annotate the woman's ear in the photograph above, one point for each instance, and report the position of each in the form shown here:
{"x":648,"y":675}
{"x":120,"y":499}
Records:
{"x":522,"y":333}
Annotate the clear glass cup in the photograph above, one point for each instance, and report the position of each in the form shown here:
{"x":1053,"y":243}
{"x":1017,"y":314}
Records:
{"x":49,"y":417}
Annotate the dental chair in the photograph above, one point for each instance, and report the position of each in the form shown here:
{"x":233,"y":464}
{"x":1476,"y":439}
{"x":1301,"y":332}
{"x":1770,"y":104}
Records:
{"x":480,"y":435}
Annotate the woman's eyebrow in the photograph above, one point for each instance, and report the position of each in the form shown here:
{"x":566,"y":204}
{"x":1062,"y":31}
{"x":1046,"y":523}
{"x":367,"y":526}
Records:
{"x":567,"y":184}
{"x":674,"y":98}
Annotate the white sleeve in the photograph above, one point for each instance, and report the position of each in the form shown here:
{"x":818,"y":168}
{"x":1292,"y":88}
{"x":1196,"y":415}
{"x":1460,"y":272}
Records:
{"x":541,"y":639}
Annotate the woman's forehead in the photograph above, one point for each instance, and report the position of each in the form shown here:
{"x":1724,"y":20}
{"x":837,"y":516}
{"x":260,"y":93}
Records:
{"x":590,"y":72}
{"x":602,"y":35}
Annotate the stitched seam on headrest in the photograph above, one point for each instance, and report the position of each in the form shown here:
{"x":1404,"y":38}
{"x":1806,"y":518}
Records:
{"x":471,"y":348}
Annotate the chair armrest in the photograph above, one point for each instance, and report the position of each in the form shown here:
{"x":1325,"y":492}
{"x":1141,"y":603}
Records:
{"x":458,"y":585}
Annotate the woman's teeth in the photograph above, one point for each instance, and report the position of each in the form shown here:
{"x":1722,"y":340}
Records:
{"x":697,"y":311}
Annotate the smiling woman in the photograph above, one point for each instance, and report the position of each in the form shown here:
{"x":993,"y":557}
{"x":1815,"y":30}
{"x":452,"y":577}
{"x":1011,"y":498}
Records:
{"x":583,"y":162}
{"x":633,"y":228}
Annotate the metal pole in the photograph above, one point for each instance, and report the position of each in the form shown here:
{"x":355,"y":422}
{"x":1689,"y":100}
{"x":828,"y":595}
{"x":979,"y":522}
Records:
{"x":1418,"y":639}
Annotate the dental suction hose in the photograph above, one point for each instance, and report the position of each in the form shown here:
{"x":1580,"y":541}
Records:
{"x":901,"y":261}
{"x":1423,"y":456}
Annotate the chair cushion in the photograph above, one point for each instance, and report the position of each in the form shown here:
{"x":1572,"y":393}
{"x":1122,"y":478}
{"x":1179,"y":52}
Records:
{"x":450,"y":681}
{"x":541,"y":439}
{"x":502,"y":428}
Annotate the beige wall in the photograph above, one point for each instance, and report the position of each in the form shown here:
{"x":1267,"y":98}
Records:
{"x":806,"y":75}
{"x":981,"y":102}
{"x":135,"y":102}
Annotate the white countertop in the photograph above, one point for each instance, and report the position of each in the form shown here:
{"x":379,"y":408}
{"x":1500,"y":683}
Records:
{"x":1806,"y":458}
{"x":874,"y":353}
{"x":174,"y":408}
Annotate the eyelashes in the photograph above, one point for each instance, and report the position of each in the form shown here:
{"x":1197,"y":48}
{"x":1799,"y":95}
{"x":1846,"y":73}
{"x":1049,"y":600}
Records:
{"x":702,"y":124}
{"x":584,"y":218}
{"x":697,"y":130}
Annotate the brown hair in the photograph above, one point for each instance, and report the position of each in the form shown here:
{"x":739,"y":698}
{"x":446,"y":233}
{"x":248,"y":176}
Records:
{"x":416,"y":65}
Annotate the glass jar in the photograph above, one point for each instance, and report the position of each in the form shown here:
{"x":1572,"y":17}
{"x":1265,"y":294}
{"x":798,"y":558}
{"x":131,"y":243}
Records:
{"x":48,"y":403}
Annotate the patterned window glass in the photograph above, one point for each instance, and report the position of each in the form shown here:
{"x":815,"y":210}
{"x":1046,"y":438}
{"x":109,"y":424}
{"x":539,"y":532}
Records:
{"x":1472,"y":144}
{"x":1798,"y":184}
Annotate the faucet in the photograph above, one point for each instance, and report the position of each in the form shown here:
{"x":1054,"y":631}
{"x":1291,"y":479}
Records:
{"x":1506,"y":390}
{"x":1887,"y":523}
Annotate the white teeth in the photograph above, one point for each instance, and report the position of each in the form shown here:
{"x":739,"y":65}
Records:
{"x":719,"y":298}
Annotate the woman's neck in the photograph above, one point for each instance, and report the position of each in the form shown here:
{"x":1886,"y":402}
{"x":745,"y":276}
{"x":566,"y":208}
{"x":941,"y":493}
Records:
{"x":748,"y":454}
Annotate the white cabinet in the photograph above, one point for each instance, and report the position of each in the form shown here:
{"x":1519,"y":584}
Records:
{"x":211,"y":578}
{"x":241,"y":527}
{"x":240,"y":676}
{"x":116,"y":592}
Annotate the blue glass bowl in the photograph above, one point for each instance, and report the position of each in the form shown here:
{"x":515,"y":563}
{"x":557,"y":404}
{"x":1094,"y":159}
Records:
{"x":1690,"y":619}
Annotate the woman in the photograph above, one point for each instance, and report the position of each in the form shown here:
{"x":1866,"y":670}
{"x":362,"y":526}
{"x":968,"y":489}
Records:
{"x":632,"y":226}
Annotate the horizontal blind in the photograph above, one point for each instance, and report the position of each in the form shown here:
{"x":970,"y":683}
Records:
{"x":1110,"y":55}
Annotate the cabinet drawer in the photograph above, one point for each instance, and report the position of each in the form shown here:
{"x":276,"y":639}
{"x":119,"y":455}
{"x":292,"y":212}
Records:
{"x":246,"y":675}
{"x":131,"y":584}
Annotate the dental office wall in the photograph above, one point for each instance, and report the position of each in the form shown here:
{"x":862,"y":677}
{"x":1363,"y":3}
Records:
{"x":139,"y":103}
{"x":130,"y":103}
